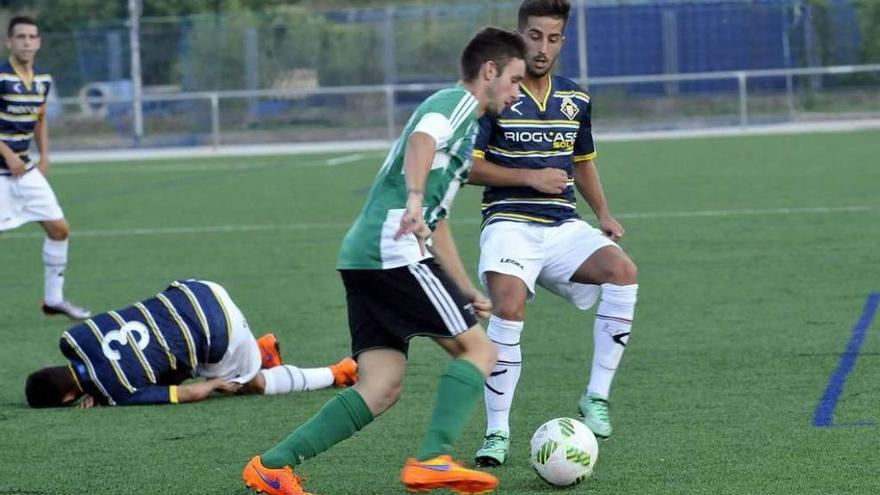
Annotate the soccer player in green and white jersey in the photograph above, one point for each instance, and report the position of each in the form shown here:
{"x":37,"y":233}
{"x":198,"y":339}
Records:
{"x":398,"y":288}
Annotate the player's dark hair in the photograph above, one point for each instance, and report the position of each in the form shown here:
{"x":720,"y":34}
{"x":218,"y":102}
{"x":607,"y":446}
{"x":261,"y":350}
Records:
{"x":46,"y":387}
{"x":559,"y":9}
{"x":19,"y":19}
{"x":493,"y":44}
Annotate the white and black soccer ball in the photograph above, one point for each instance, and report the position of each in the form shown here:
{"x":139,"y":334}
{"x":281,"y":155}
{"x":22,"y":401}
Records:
{"x":564,"y":451}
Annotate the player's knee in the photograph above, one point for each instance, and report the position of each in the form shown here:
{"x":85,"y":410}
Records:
{"x":628,"y":272}
{"x":482,"y":353}
{"x":58,"y":231}
{"x":380,"y":396}
{"x":510,"y":309}
{"x":622,"y":272}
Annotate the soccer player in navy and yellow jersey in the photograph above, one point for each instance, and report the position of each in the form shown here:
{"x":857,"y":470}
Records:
{"x":532,"y":158}
{"x":25,"y":195}
{"x":143,"y":353}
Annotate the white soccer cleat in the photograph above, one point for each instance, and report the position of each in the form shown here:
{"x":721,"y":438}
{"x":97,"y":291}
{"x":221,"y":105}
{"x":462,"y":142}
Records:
{"x":67,"y":309}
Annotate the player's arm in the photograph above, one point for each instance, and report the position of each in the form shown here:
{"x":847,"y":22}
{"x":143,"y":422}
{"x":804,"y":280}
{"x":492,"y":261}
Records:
{"x":586,"y":175}
{"x":545,"y":180}
{"x":420,"y":149}
{"x":446,"y":253}
{"x":194,"y":392}
{"x":588,"y":183}
{"x":177,"y":394}
{"x":13,"y":161}
{"x":41,"y":136}
{"x":486,"y":173}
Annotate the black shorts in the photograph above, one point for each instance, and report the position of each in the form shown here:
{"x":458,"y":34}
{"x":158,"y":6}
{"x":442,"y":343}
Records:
{"x":386,"y":308}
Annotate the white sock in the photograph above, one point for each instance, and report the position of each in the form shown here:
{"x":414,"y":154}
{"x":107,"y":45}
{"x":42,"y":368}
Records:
{"x":501,"y":383}
{"x":285,"y":378}
{"x":610,"y":334}
{"x":54,"y":263}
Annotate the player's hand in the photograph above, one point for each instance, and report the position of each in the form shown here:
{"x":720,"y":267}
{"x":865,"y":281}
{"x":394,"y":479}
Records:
{"x":549,"y":180}
{"x":87,"y":402}
{"x":413,"y":222}
{"x":482,"y":305}
{"x":227,"y":387}
{"x":611,"y":227}
{"x":43,"y":166}
{"x":17,"y":166}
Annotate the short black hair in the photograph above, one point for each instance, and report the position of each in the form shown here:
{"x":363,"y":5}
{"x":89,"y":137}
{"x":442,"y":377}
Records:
{"x":19,"y":19}
{"x":559,"y":9}
{"x":47,"y":387}
{"x":493,"y":44}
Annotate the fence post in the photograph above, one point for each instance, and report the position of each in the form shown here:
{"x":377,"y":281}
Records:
{"x":390,"y":108}
{"x":670,"y":49}
{"x":743,"y":99}
{"x":389,"y":48}
{"x":134,"y":37}
{"x":215,"y":119}
{"x":583,"y":60}
{"x":252,"y":68}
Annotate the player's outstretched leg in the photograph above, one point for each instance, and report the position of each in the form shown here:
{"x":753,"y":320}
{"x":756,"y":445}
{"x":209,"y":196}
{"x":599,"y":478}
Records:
{"x":457,"y":394}
{"x":55,"y":248}
{"x":611,"y":333}
{"x":444,"y":472}
{"x":281,"y":481}
{"x":499,"y":390}
{"x":65,"y":308}
{"x":495,"y":449}
{"x":270,"y":351}
{"x":345,"y":372}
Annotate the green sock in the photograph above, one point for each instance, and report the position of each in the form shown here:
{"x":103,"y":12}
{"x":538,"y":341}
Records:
{"x":338,"y":419}
{"x":460,"y":387}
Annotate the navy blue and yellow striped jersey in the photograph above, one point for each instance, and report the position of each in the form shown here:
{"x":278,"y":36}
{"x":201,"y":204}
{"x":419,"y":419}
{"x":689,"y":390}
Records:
{"x":555,"y":132}
{"x":21,"y":104}
{"x":137,"y":355}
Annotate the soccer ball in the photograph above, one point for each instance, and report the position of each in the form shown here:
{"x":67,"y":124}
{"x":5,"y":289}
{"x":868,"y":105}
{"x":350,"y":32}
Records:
{"x":564,"y":451}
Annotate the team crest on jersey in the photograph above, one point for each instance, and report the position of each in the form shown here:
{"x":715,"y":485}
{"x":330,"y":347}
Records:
{"x":569,"y":108}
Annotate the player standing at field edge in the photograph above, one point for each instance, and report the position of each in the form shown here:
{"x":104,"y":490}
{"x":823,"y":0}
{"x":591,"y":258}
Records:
{"x":396,"y":291}
{"x":25,"y":194}
{"x":532,"y":157}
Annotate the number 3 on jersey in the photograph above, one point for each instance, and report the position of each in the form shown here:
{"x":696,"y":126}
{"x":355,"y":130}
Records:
{"x":133,"y":332}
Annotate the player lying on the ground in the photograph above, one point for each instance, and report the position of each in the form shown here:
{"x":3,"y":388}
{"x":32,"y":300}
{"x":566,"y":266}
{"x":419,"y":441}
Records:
{"x":142,"y":354}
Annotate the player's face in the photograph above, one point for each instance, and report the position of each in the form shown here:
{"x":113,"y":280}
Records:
{"x":503,"y":91}
{"x":544,"y":39}
{"x":24,"y":42}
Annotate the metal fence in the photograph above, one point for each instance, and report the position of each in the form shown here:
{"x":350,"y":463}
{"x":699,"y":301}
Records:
{"x":378,"y":112}
{"x":299,"y":75}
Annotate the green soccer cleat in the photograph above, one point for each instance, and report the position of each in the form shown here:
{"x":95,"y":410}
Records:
{"x":494,"y":451}
{"x":594,"y":414}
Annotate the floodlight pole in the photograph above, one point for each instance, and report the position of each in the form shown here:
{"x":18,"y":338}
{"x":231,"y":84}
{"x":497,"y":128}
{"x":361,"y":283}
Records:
{"x":134,"y":36}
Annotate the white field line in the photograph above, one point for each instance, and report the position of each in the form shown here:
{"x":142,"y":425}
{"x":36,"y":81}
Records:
{"x":253,"y":164}
{"x":346,"y":159}
{"x":222,"y":229}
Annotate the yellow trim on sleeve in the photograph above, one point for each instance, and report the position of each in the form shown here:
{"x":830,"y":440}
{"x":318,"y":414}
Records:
{"x":172,"y":394}
{"x":583,"y":158}
{"x":480,"y":154}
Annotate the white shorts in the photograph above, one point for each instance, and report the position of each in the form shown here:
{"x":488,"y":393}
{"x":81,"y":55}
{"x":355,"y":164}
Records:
{"x":242,"y":361}
{"x":546,"y":255}
{"x":25,"y":199}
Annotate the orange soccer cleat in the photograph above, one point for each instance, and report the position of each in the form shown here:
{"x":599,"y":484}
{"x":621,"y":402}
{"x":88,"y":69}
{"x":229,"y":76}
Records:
{"x":344,"y":372}
{"x":270,"y":481}
{"x":270,"y":351}
{"x":444,"y":472}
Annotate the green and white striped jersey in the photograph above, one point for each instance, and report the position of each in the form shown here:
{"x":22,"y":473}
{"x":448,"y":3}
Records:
{"x":450,"y":117}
